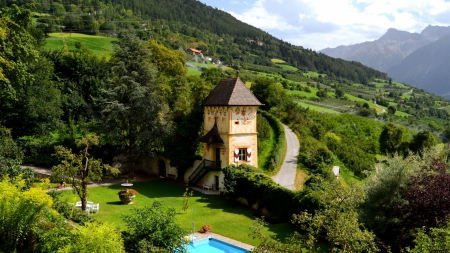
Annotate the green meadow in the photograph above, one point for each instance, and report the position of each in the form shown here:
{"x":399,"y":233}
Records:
{"x":99,"y":45}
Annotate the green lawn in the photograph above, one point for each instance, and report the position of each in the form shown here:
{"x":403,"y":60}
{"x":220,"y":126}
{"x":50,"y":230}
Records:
{"x":227,"y":218}
{"x":99,"y":45}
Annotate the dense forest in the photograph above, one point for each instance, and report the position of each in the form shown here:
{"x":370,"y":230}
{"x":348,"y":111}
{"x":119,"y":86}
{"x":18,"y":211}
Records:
{"x":141,"y":101}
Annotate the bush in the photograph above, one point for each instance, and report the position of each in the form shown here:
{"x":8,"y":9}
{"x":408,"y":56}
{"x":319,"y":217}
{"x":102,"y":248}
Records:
{"x":279,"y":150}
{"x":250,"y":183}
{"x":153,"y":228}
{"x":93,"y":237}
{"x":70,"y":212}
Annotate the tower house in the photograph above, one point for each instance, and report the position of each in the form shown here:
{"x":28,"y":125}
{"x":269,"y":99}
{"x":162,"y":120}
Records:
{"x":230,"y":137}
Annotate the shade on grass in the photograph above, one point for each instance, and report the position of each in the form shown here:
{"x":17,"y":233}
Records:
{"x":227,"y":218}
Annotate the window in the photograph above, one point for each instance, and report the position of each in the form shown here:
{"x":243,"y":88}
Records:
{"x":242,"y":154}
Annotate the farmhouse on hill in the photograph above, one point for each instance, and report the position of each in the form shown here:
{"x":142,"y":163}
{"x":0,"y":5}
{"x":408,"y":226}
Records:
{"x":194,"y":51}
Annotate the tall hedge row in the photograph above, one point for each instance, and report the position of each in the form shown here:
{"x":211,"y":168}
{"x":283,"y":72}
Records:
{"x":279,"y":150}
{"x":245,"y":181}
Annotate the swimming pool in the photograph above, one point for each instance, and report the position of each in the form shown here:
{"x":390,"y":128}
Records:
{"x":212,"y":245}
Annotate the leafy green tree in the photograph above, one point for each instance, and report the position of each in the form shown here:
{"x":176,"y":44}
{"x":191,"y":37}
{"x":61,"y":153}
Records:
{"x":153,"y":229}
{"x":337,"y":222}
{"x":390,"y":138}
{"x":339,"y":92}
{"x":391,"y":109}
{"x":135,"y":114}
{"x":169,"y":62}
{"x":11,"y":158}
{"x":423,"y":139}
{"x":386,"y":189}
{"x":18,"y":51}
{"x":81,"y":75}
{"x":29,"y":101}
{"x":79,"y":169}
{"x":187,"y":116}
{"x":432,"y":240}
{"x":212,"y":75}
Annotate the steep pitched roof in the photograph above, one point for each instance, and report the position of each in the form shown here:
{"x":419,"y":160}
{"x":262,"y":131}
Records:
{"x":231,"y":91}
{"x":212,"y":137}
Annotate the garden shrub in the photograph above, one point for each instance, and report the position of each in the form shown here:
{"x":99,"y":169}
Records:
{"x":279,"y":150}
{"x":70,"y":212}
{"x":20,"y":212}
{"x":153,"y":229}
{"x":250,"y":183}
{"x":12,"y":168}
{"x":92,"y":237}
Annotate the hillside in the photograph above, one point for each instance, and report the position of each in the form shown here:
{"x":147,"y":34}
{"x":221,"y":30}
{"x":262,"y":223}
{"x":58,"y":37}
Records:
{"x":181,"y":24}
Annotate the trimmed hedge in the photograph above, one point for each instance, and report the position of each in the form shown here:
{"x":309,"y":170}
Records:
{"x":279,"y":150}
{"x":245,"y":181}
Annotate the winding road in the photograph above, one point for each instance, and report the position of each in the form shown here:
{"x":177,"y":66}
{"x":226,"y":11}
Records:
{"x":286,"y":175}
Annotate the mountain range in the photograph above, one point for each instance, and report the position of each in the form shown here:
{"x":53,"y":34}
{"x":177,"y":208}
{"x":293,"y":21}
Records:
{"x":419,"y":59}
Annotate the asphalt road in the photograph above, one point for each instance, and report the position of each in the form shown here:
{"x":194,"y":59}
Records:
{"x":287,"y":173}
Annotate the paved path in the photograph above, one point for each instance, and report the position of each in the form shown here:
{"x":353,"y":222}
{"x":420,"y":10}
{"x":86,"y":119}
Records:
{"x":287,"y":173}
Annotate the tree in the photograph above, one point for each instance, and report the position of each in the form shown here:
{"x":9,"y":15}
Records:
{"x":423,"y":139}
{"x":427,"y":202}
{"x":11,"y":158}
{"x":169,"y":62}
{"x":335,"y":220}
{"x":260,"y":88}
{"x":25,"y":85}
{"x":187,"y":114}
{"x":135,"y":114}
{"x":390,"y":138}
{"x":339,"y":92}
{"x":338,"y":221}
{"x":153,"y":229}
{"x":212,"y":75}
{"x":18,"y":51}
{"x":434,"y":240}
{"x":385,"y":191}
{"x":79,"y":170}
{"x":391,"y":109}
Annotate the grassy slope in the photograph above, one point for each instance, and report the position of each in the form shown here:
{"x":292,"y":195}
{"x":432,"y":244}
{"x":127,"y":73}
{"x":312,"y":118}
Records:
{"x":99,"y":45}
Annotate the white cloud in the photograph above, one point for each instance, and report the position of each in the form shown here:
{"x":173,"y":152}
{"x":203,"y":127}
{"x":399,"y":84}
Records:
{"x":318,"y":24}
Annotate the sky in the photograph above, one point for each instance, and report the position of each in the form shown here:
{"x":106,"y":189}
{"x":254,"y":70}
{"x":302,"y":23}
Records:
{"x":318,"y":24}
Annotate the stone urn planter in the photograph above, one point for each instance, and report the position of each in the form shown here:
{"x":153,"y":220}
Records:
{"x":127,"y":196}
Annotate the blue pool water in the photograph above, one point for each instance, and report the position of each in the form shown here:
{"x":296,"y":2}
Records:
{"x":212,"y":245}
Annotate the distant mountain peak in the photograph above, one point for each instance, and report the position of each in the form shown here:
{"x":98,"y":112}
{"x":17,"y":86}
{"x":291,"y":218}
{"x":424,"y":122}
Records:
{"x":435,"y":32}
{"x":397,"y":35}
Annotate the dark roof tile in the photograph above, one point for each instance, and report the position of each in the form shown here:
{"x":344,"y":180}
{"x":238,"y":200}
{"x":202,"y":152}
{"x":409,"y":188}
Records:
{"x":231,"y":91}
